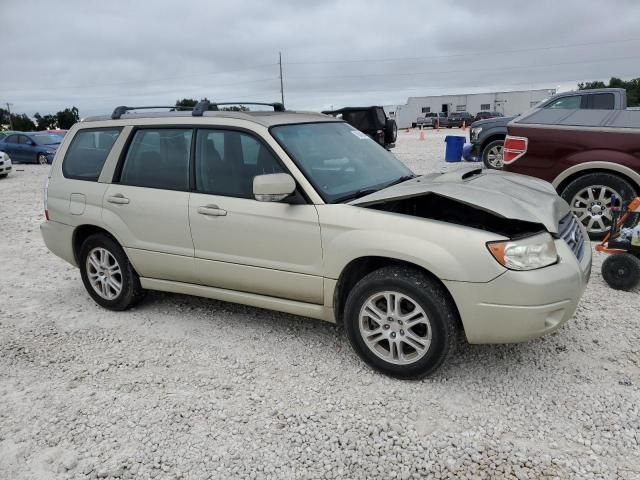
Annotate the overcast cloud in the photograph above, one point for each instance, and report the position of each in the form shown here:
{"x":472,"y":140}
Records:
{"x":99,"y":54}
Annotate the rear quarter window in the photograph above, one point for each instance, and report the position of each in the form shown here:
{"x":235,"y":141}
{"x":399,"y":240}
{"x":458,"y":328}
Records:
{"x":87,"y":153}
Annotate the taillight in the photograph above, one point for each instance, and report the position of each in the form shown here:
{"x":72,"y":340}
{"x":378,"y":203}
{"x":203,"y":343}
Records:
{"x":514,"y":148}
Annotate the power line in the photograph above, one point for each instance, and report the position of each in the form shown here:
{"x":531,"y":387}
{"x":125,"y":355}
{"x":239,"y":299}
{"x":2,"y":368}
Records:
{"x":489,"y":52}
{"x":409,"y":74}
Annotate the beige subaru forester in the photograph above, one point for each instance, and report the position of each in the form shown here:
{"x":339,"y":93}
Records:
{"x":301,"y":213}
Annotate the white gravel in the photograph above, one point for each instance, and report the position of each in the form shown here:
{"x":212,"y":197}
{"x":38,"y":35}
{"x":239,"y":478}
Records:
{"x":183,"y":387}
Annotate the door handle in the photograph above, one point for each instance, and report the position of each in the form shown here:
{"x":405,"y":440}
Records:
{"x":211,"y":210}
{"x":118,"y":198}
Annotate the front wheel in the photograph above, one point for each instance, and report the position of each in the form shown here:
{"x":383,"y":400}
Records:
{"x":108,"y":275}
{"x":590,"y":199}
{"x":492,"y":155}
{"x":400,"y":322}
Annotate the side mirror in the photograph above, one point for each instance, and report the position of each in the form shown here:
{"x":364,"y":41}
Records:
{"x":273,"y":187}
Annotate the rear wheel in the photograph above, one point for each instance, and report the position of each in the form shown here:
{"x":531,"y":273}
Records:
{"x":400,"y":322}
{"x":492,"y":154}
{"x":42,"y":159}
{"x":621,"y":271}
{"x":108,"y":275}
{"x":590,"y":199}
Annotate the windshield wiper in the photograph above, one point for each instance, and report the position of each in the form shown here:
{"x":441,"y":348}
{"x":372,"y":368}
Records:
{"x":400,"y":180}
{"x":356,"y":194}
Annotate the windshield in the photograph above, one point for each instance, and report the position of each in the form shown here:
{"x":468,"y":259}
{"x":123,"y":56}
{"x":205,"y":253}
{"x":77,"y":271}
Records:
{"x":47,"y":139}
{"x":340,"y":162}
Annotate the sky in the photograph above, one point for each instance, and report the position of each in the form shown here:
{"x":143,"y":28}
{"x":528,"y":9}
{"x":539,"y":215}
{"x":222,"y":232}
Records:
{"x":99,"y":54}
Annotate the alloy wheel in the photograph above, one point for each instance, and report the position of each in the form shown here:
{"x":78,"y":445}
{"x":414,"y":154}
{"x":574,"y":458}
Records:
{"x":592,"y":206}
{"x":395,"y":328}
{"x":42,"y":159}
{"x":494,"y":156}
{"x":104,"y":273}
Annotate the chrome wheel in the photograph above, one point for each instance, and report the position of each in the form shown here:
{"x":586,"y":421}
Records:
{"x":42,"y":159}
{"x":494,"y":156}
{"x":104,"y":273}
{"x":395,"y":328}
{"x":592,"y":206}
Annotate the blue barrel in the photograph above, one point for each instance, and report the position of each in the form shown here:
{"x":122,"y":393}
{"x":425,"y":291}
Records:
{"x":453,"y":152}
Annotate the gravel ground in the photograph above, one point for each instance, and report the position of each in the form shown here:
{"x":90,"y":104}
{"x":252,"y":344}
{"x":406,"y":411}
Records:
{"x":183,"y":387}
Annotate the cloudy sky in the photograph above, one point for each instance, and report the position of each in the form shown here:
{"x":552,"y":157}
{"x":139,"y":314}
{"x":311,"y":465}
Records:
{"x":99,"y":54}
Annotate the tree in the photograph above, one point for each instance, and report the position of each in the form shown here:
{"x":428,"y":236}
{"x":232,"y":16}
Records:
{"x":631,"y":86}
{"x":186,"y":102}
{"x":48,"y":122}
{"x":67,"y":117}
{"x":22,"y":123}
{"x":190,"y":103}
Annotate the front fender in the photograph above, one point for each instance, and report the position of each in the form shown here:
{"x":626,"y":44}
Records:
{"x":450,"y":252}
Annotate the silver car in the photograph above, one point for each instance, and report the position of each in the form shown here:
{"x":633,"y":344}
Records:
{"x":302,"y":213}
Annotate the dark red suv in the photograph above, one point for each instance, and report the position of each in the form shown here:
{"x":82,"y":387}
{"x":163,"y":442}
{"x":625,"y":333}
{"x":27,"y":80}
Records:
{"x":590,"y":156}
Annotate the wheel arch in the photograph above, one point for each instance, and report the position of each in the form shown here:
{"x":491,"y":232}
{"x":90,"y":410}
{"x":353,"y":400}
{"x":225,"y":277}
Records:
{"x":359,"y":267}
{"x":82,"y":232}
{"x":492,"y":137}
{"x":572,"y":173}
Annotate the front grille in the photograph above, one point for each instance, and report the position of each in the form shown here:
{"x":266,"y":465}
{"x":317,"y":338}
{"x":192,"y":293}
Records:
{"x":570,"y":231}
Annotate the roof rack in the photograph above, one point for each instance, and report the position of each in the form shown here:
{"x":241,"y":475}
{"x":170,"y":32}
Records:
{"x":198,"y":110}
{"x":206,"y":105}
{"x":122,"y":109}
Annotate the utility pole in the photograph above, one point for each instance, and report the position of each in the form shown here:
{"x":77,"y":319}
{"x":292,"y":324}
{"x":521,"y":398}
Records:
{"x":281,"y":84}
{"x":9,"y":110}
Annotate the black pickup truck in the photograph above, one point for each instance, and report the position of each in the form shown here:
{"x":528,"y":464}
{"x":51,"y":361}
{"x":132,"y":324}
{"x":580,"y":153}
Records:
{"x":370,"y":120}
{"x":487,"y":136}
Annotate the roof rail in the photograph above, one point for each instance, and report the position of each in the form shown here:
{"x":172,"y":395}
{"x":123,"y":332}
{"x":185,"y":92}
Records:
{"x":122,"y":109}
{"x":206,"y":105}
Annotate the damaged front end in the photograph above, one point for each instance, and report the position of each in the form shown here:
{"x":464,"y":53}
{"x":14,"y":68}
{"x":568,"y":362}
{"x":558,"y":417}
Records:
{"x":510,"y":205}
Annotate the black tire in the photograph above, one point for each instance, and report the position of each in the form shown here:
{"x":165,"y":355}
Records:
{"x":621,"y":271}
{"x":3,"y":175}
{"x":429,"y":296}
{"x":625,"y":190}
{"x":488,"y":163}
{"x":41,"y":158}
{"x":390,"y":131}
{"x":131,"y":292}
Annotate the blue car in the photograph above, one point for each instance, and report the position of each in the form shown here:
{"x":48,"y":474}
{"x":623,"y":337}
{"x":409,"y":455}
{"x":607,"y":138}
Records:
{"x":31,"y":147}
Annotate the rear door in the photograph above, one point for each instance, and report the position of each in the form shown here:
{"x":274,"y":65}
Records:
{"x":241,"y":244}
{"x":147,"y":203}
{"x":10,"y":146}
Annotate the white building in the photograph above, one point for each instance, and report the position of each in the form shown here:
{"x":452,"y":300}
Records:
{"x":507,"y":103}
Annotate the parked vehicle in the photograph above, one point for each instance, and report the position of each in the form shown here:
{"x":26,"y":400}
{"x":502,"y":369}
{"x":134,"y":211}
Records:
{"x":485,"y":114}
{"x":456,"y":119}
{"x":370,"y":120}
{"x":31,"y":147}
{"x":302,"y":213}
{"x":590,"y":157}
{"x":487,"y":136}
{"x":5,"y":165}
{"x":431,"y":119}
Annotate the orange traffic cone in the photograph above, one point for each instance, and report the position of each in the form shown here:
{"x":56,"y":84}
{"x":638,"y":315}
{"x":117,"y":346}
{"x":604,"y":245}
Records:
{"x":421,"y":134}
{"x":464,"y":125}
{"x":438,"y":124}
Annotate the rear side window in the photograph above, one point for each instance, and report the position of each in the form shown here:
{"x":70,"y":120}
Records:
{"x":87,"y":153}
{"x":602,"y":101}
{"x":382,"y":119}
{"x":158,"y":158}
{"x":12,"y":139}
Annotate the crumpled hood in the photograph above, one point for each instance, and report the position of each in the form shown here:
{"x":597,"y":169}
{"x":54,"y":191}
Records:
{"x":508,"y":195}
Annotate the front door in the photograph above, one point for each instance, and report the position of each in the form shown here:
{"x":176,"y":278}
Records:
{"x":147,"y":205}
{"x":241,"y":244}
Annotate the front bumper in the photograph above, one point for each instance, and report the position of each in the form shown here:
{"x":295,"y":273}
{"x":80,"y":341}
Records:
{"x":5,"y":165}
{"x":519,"y":306}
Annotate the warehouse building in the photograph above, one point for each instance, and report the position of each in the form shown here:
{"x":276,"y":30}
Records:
{"x":507,"y":103}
